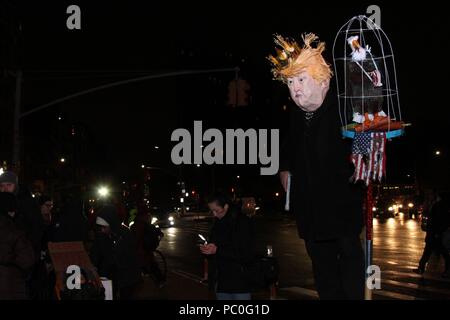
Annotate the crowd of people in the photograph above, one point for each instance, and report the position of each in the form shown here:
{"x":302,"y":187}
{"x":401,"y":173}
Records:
{"x":28,"y":223}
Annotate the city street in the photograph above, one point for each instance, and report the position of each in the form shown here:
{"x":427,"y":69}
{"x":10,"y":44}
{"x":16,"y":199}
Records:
{"x":398,"y":245}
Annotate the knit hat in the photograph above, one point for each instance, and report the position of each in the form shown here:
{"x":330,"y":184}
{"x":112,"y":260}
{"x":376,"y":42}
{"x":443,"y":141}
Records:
{"x":9,"y":177}
{"x":101,"y":222}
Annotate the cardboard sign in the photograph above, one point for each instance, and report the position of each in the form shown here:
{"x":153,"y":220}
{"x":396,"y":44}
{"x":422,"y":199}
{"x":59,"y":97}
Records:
{"x":66,"y":255}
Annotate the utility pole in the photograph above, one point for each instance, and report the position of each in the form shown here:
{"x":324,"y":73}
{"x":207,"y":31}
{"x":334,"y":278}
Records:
{"x":16,"y":130}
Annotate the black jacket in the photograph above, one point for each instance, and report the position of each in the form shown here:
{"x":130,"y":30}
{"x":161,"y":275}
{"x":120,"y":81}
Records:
{"x":71,"y":225}
{"x":325,"y":204}
{"x":115,"y":255}
{"x":29,"y":219}
{"x":439,"y":217}
{"x":16,"y":260}
{"x":234,"y":237}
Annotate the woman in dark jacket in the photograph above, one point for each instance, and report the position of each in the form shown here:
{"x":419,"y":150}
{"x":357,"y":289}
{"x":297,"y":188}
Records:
{"x":230,"y":250}
{"x":16,"y":253}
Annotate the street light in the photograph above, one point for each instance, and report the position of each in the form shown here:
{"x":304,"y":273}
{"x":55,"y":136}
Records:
{"x":1,"y":171}
{"x":142,"y":166}
{"x":62,"y":160}
{"x":103,"y":192}
{"x":410,"y":205}
{"x":437,"y":152}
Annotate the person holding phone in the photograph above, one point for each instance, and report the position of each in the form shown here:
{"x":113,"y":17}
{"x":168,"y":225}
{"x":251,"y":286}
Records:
{"x":230,"y":247}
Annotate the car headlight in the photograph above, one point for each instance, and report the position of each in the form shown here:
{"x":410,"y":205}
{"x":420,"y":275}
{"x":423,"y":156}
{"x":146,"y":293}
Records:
{"x":171,"y":219}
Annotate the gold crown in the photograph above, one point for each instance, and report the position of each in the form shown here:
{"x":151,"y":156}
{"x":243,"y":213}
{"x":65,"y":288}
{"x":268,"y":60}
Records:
{"x":291,"y":59}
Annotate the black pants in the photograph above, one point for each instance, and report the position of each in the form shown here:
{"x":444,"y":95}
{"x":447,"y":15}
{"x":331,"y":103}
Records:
{"x":338,"y":267}
{"x":433,"y":242}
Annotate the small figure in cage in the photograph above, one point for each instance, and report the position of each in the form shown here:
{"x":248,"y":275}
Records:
{"x":364,"y":81}
{"x":366,"y":90}
{"x":328,"y":209}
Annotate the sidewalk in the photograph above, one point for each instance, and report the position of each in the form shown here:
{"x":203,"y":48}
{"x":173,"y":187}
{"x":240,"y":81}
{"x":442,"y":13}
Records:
{"x":178,"y":287}
{"x":181,"y":286}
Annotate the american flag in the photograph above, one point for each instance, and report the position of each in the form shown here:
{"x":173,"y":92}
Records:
{"x":369,"y":156}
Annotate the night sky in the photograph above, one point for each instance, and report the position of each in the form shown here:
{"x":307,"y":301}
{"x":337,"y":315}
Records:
{"x":130,"y":39}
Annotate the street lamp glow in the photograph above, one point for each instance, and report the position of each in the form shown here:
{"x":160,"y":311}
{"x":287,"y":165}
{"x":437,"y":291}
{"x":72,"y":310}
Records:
{"x":182,"y":200}
{"x":198,"y":166}
{"x":374,"y":209}
{"x":277,"y":194}
{"x":62,"y":160}
{"x":187,"y":194}
{"x":410,"y":205}
{"x":1,"y":171}
{"x":437,"y":152}
{"x":142,"y":166}
{"x":103,"y":192}
{"x":391,"y":209}
{"x":156,"y":147}
{"x":238,"y":177}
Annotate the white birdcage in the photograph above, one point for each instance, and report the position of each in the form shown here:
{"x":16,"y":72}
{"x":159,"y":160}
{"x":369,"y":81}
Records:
{"x":366,"y":79}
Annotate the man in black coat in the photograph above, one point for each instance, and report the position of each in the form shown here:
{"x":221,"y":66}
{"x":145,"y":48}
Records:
{"x":328,"y":209}
{"x":28,"y":218}
{"x":16,"y":253}
{"x":438,"y":223}
{"x":114,"y":253}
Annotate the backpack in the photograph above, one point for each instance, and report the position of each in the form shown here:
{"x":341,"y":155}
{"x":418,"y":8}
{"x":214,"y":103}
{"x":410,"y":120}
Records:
{"x":262,"y":270}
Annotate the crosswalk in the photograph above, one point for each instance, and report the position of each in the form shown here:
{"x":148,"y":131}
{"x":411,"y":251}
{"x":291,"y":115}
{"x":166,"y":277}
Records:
{"x":396,"y":253}
{"x":395,"y":285}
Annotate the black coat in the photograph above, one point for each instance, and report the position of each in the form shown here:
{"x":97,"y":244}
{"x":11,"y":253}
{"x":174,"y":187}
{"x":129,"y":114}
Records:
{"x":439,"y":217}
{"x":325,"y":204}
{"x":16,"y":260}
{"x":115,"y":255}
{"x":71,"y":225}
{"x":234,"y":237}
{"x":29,"y":219}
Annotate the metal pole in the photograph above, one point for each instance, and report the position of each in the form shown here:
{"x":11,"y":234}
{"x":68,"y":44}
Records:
{"x":18,"y":115}
{"x":16,"y":130}
{"x":369,"y":238}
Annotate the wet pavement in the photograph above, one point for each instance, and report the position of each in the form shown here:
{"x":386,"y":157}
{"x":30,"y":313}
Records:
{"x":397,"y":248}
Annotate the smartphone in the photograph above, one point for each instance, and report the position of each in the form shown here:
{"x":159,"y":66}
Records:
{"x":203,"y":238}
